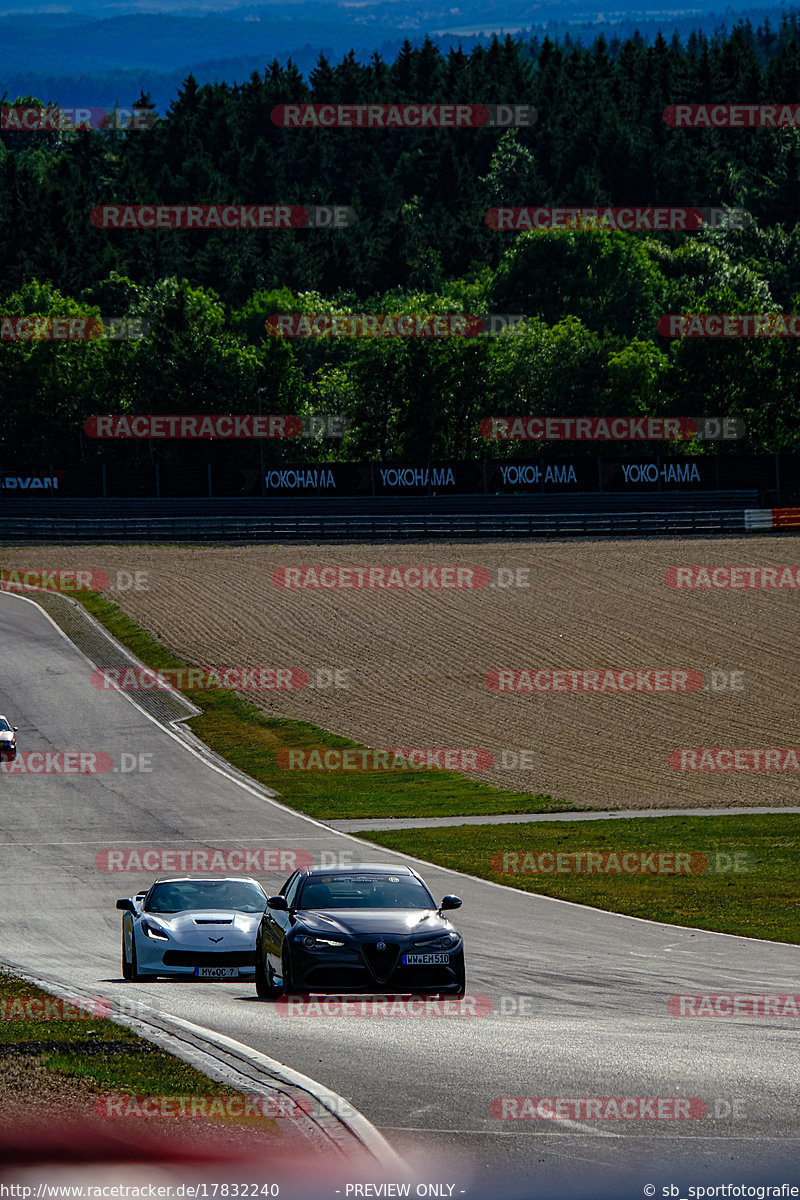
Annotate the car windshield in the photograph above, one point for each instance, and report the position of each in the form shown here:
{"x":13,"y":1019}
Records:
{"x":185,"y":894}
{"x":4,"y":725}
{"x":362,"y":890}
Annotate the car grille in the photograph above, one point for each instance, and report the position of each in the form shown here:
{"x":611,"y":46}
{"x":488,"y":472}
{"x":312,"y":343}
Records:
{"x":337,"y":977}
{"x":358,"y":979}
{"x":423,"y":976}
{"x":207,"y":958}
{"x":381,"y":962}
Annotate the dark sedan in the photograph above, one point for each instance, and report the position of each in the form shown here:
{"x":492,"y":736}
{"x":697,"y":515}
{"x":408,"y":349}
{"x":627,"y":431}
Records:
{"x":371,"y":928}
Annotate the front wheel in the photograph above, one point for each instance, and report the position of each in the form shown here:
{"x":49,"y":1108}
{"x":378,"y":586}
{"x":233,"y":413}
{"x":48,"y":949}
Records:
{"x":265,"y":981}
{"x":127,"y":967}
{"x":130,"y":970}
{"x":286,"y":972}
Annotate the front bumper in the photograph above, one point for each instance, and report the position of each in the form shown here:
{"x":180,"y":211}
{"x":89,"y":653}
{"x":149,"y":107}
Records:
{"x":350,"y":970}
{"x":162,"y":958}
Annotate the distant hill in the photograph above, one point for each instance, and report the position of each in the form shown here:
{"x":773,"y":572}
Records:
{"x":100,"y":54}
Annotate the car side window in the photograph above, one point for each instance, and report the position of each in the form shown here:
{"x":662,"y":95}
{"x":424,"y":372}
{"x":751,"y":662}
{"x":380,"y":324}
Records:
{"x":289,"y":889}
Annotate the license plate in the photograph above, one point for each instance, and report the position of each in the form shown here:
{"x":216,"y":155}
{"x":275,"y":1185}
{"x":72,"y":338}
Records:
{"x":425,"y":960}
{"x":216,"y":972}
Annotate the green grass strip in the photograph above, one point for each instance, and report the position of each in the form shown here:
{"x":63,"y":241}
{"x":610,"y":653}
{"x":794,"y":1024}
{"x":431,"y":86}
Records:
{"x":110,"y":1066}
{"x":762,"y":900}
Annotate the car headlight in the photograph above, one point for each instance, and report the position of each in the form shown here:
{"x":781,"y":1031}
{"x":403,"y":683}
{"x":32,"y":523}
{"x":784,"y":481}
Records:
{"x":449,"y":939}
{"x":154,"y":931}
{"x":312,"y":942}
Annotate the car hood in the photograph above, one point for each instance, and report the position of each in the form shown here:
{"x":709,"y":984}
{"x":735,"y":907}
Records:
{"x":402,"y":922}
{"x":6,"y":735}
{"x":212,"y":921}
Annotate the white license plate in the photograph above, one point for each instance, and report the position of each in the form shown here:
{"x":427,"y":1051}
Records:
{"x":216,"y":972}
{"x":425,"y":960}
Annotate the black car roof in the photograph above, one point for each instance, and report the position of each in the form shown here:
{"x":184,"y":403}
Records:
{"x":358,"y":868}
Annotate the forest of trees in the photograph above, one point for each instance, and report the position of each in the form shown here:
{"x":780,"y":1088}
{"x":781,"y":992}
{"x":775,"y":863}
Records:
{"x":421,"y":244}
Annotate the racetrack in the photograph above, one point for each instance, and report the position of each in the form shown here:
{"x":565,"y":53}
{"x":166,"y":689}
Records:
{"x":599,"y":983}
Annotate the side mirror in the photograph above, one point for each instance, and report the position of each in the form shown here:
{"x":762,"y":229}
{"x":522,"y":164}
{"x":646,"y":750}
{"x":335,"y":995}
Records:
{"x":126,"y":905}
{"x":278,"y":902}
{"x":15,"y":728}
{"x":450,"y":902}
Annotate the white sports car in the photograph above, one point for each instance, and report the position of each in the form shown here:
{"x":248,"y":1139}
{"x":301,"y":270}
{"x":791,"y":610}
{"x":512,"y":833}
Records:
{"x":192,"y":925}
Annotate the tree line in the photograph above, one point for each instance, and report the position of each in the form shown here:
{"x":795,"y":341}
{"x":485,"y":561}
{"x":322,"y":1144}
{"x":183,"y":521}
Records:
{"x":591,"y":297}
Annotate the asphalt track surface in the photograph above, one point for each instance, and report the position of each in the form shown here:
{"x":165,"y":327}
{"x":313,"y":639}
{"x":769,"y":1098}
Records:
{"x":596,"y":984}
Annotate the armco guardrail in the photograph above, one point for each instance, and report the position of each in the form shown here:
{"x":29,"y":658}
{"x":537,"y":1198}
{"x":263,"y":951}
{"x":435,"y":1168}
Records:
{"x":771,"y":519}
{"x":59,"y":505}
{"x":786,"y":518}
{"x":471,"y":523}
